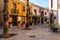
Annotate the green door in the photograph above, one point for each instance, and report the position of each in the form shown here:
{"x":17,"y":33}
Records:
{"x":14,"y":20}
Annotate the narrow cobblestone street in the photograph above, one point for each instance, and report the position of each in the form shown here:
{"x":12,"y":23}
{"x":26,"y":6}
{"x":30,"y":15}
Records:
{"x":38,"y":32}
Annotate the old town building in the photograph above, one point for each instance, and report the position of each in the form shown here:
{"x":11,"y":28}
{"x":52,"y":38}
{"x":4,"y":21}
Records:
{"x":39,"y":14}
{"x":17,"y":12}
{"x":54,"y":7}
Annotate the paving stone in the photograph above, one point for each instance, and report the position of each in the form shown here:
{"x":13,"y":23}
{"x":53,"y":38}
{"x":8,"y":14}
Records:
{"x":38,"y":32}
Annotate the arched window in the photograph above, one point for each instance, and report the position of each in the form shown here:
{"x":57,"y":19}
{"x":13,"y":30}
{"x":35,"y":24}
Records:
{"x":23,"y":8}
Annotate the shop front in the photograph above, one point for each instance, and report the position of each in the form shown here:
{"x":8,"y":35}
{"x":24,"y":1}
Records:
{"x":36,"y":20}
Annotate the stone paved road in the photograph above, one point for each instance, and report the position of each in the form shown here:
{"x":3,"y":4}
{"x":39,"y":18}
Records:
{"x":39,"y":32}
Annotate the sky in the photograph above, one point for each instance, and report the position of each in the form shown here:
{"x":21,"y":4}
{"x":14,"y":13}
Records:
{"x":43,"y":3}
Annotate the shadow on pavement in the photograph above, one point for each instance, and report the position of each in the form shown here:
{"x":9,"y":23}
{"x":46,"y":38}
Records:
{"x":10,"y":35}
{"x":33,"y":36}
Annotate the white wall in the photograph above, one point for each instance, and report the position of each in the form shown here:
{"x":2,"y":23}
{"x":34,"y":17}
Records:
{"x":54,"y":4}
{"x":33,"y":10}
{"x":37,"y":9}
{"x":59,"y":16}
{"x":49,"y":4}
{"x":54,"y":8}
{"x":59,"y":12}
{"x":23,"y":1}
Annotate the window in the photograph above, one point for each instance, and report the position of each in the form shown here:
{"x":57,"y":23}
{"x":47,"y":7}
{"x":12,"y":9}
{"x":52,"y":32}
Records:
{"x":13,"y":11}
{"x":45,"y":13}
{"x":14,"y":5}
{"x":42,"y":13}
{"x":35,"y":11}
{"x":23,"y":8}
{"x":29,"y":11}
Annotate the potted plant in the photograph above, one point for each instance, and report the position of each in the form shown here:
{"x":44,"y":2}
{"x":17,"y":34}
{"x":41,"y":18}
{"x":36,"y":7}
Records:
{"x":53,"y":27}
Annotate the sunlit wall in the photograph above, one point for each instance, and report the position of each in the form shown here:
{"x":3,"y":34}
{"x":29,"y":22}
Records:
{"x":59,"y":16}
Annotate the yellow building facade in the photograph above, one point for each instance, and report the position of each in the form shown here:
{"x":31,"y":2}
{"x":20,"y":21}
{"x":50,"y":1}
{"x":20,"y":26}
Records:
{"x":17,"y":11}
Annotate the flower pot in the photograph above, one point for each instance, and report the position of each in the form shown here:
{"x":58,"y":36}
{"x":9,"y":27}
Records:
{"x":54,"y":29}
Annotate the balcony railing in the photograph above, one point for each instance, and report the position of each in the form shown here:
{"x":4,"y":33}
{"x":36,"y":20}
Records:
{"x":13,"y":11}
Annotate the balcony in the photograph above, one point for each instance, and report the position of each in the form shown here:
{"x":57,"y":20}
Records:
{"x":14,"y":12}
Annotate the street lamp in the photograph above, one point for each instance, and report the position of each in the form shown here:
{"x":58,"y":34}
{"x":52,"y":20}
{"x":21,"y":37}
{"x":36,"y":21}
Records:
{"x":27,"y":15}
{"x":5,"y":18}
